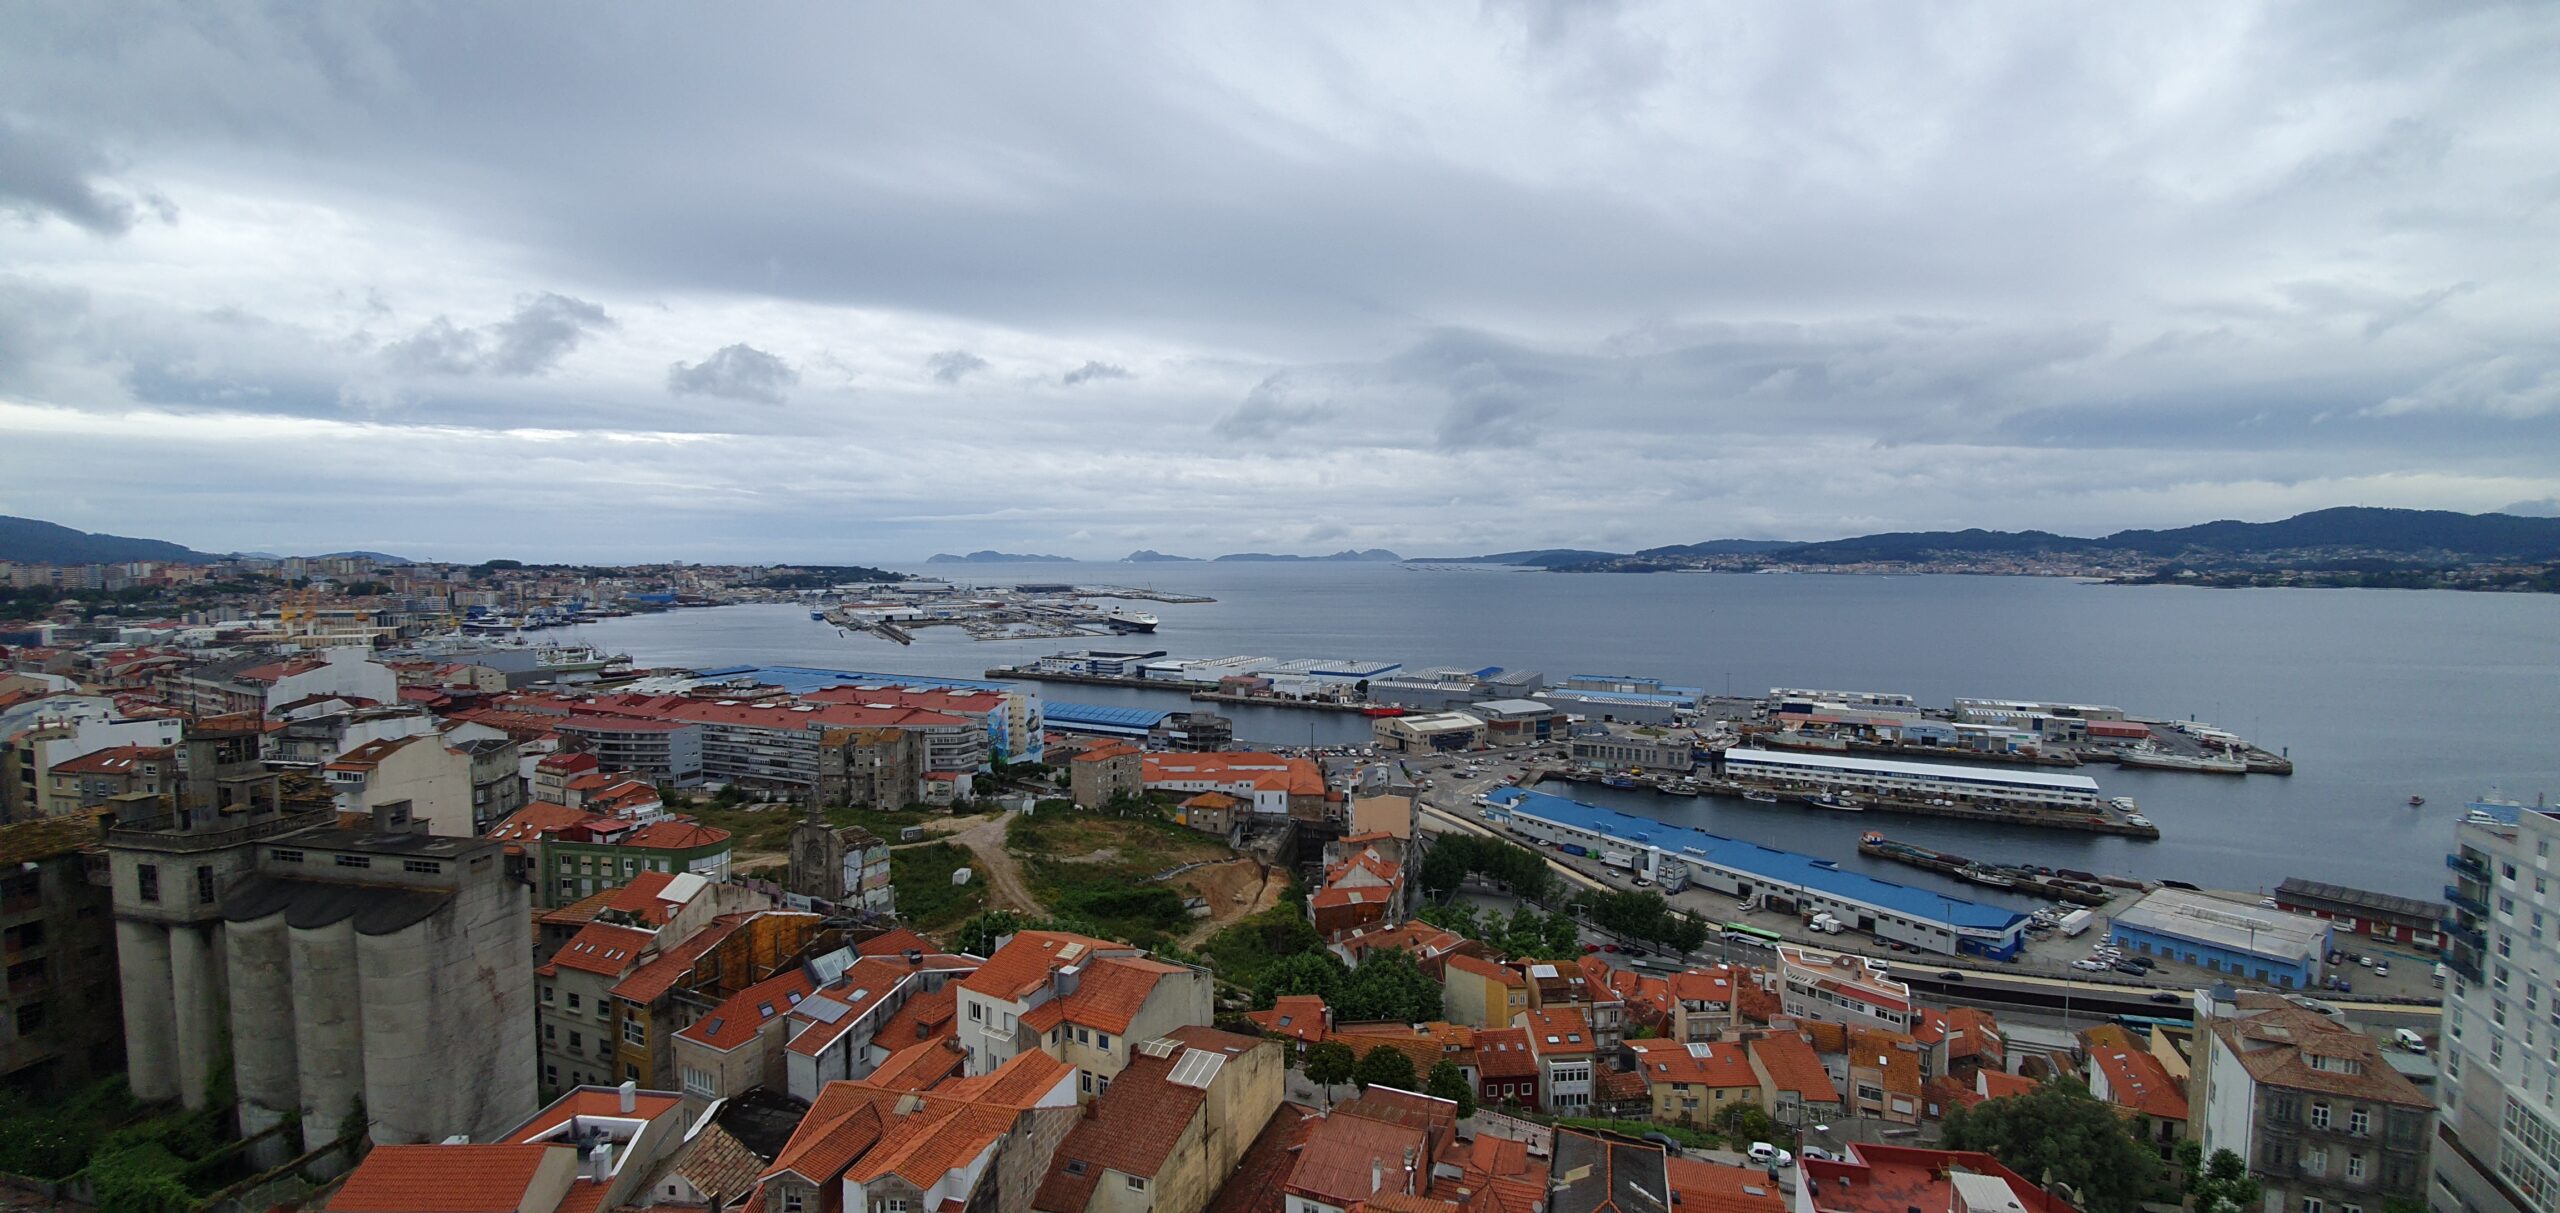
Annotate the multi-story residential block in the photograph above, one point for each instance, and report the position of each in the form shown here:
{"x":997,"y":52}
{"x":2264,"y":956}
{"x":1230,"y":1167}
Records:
{"x":1171,"y":1128}
{"x":1689,"y":1082}
{"x":1275,"y":786}
{"x":418,"y":771}
{"x":259,"y":683}
{"x":1705,"y":1002}
{"x":599,"y":852}
{"x":2153,"y":1103}
{"x":96,"y":777}
{"x":1104,"y":772}
{"x":2497,"y":1139}
{"x":1794,"y":1085}
{"x":60,"y":1004}
{"x":1883,"y":1075}
{"x":1843,"y":989}
{"x":979,"y":1143}
{"x":1562,"y":1042}
{"x":497,"y":774}
{"x":1481,"y":993}
{"x":2325,"y":1122}
{"x":668,"y":751}
{"x":1082,"y":1000}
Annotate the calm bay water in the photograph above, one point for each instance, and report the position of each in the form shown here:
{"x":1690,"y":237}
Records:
{"x":2378,"y":695}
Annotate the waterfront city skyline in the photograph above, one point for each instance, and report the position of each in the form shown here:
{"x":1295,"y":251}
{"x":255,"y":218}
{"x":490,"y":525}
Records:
{"x":876,"y":284}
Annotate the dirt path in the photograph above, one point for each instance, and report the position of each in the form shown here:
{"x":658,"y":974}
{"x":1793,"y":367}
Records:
{"x":1223,"y":884}
{"x":1005,"y":887}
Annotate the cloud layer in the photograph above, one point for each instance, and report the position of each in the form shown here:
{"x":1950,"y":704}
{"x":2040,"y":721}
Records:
{"x":1225,"y":278}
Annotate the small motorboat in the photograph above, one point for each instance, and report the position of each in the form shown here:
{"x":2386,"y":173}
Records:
{"x":2415,"y":801}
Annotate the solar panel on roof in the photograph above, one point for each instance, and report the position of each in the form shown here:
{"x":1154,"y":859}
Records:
{"x":822,"y":1009}
{"x":1198,"y":1068}
{"x":1162,"y":1046}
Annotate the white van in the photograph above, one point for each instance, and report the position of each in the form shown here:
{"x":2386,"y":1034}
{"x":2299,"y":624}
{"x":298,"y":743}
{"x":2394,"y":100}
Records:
{"x":2409,"y":1040}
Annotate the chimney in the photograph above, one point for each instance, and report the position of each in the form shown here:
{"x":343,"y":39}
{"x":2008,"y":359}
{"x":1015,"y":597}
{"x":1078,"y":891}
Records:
{"x":600,"y":1163}
{"x":1377,"y":1176}
{"x":627,"y":1097}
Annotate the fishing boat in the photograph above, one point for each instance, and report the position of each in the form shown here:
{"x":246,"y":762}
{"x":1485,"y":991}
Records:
{"x":1620,"y":781}
{"x":1380,"y":709}
{"x":1985,"y":877}
{"x":2415,"y":801}
{"x":1757,"y":796}
{"x":1836,"y":802}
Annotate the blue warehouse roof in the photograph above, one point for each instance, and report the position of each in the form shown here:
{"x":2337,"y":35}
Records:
{"x":1763,"y":863}
{"x":1100,"y":718}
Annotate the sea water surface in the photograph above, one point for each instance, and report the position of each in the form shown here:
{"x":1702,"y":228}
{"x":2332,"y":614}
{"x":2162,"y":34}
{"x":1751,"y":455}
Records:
{"x":2378,"y":695}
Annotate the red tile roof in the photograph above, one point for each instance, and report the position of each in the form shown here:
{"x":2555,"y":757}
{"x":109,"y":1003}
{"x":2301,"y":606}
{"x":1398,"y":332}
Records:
{"x":920,"y":1066}
{"x":593,"y":1102}
{"x":2137,"y":1082}
{"x":599,"y":948}
{"x":441,"y":1179}
{"x":1297,"y":1016}
{"x":896,"y":941}
{"x":1262,"y":772}
{"x":1794,"y":1066}
{"x":842,"y":1122}
{"x":1108,"y":995}
{"x":537,"y":820}
{"x":1024,"y":963}
{"x":741,"y":1015}
{"x":1706,"y":1187}
{"x":1477,"y":966}
{"x":676,"y":834}
{"x":1702,"y":1064}
{"x":928,"y":1016}
{"x":1559,"y":1031}
{"x":1255,"y":1187}
{"x":1504,"y":1053}
{"x":671,"y":964}
{"x":1131,"y":1128}
{"x":1893,"y":1179}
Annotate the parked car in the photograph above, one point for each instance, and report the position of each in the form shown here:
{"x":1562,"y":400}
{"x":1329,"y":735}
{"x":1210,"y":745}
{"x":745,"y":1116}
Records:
{"x":2382,"y":968}
{"x":2165,"y":997}
{"x":2129,"y":970}
{"x":1950,"y":975}
{"x":1589,"y":948}
{"x":1763,"y":1153}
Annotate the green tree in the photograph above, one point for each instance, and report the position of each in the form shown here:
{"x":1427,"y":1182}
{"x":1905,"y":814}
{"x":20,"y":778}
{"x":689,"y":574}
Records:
{"x":1385,"y":1066}
{"x":2060,"y":1133}
{"x":1330,"y":1062}
{"x":1388,"y":985}
{"x":2220,"y":1184}
{"x":1743,"y":1123}
{"x":1315,"y":972}
{"x":978,"y":936}
{"x":1449,"y":1082}
{"x":1457,"y":917}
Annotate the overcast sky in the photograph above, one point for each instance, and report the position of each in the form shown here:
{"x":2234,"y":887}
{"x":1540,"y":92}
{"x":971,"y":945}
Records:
{"x":866,"y":282}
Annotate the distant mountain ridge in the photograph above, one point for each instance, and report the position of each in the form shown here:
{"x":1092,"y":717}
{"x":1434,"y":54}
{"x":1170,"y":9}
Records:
{"x":1152,"y":556}
{"x":2341,"y":532}
{"x":35,"y":541}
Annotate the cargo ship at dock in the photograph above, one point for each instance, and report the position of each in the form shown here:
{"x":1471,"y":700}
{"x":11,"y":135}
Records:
{"x":2079,"y":888}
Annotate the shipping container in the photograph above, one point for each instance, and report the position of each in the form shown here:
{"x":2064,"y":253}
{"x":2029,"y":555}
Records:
{"x":2077,"y":921}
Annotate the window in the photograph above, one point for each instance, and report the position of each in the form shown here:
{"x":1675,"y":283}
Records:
{"x":2355,"y":1166}
{"x":1084,"y":1081}
{"x":281,"y":856}
{"x":577,"y":1041}
{"x":353,"y":861}
{"x":2316,"y":1160}
{"x":698,"y":1082}
{"x":1137,"y":1184}
{"x":551,"y":1031}
{"x":2319,"y":1115}
{"x":1084,"y":1036}
{"x":2359,"y":1122}
{"x":573,"y":1001}
{"x":894,"y":1204}
{"x":2310,"y":1204}
{"x":635,"y":1032}
{"x":146,"y":877}
{"x":977,"y":1014}
{"x":794,"y":1200}
{"x":551,"y":1077}
{"x":546,"y":995}
{"x":426,"y":867}
{"x":1102,"y":1040}
{"x":30,"y":1018}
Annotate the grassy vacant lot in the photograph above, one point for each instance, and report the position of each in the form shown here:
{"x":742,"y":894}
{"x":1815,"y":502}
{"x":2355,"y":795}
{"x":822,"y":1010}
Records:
{"x":1095,"y":867}
{"x":767,"y":827}
{"x":926,"y":897}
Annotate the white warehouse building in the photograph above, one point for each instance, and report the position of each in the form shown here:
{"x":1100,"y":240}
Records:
{"x":1910,"y":780}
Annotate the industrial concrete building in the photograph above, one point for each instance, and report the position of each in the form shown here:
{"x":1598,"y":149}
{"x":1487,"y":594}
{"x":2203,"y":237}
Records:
{"x":387,"y":969}
{"x":1912,"y":780}
{"x":59,"y":1008}
{"x":402,"y":963}
{"x":2272,"y":946}
{"x":1439,"y":732}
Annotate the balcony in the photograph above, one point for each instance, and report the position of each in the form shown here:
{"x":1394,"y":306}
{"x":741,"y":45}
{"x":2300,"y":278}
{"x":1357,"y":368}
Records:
{"x":2460,"y":900}
{"x":2472,"y":868}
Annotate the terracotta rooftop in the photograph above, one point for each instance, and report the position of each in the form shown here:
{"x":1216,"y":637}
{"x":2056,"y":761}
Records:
{"x":1896,"y":1179}
{"x":1794,"y":1066}
{"x":2138,"y":1083}
{"x":671,"y":964}
{"x":609,"y":950}
{"x":1559,"y":1031}
{"x":1027,"y":959}
{"x":1130,"y":1128}
{"x":1108,"y":995}
{"x":1706,"y":1187}
{"x":1297,"y":1016}
{"x":1256,"y":1184}
{"x":2278,"y":1048}
{"x":741,"y":1015}
{"x":1701,"y":1064}
{"x":442,"y":1179}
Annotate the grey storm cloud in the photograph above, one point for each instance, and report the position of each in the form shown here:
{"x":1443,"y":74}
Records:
{"x":2095,"y":268}
{"x":735,"y":372}
{"x":544,"y":329}
{"x":42,"y":175}
{"x":952,"y":366}
{"x":1091,"y":371}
